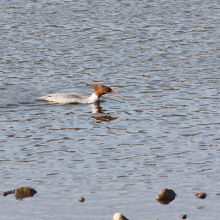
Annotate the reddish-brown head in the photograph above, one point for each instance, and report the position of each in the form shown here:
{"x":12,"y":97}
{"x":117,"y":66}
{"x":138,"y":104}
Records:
{"x":100,"y":90}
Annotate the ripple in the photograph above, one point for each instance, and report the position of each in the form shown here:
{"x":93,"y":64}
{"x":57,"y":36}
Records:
{"x":161,"y":130}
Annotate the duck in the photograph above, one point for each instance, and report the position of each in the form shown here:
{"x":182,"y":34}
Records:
{"x":71,"y":98}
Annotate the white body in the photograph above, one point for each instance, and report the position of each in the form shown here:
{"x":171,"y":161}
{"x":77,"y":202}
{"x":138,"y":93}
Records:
{"x":67,"y":98}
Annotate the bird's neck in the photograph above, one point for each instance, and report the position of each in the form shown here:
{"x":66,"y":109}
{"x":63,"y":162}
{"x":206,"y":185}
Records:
{"x":93,"y":98}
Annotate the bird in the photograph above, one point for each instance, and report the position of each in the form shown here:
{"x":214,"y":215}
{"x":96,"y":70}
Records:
{"x":70,"y":98}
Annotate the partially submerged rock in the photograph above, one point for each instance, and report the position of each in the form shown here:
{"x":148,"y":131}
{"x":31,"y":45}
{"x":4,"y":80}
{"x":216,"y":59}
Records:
{"x":81,"y":199}
{"x":183,"y":216}
{"x":201,"y":195}
{"x":8,"y":192}
{"x":119,"y":216}
{"x":22,"y":192}
{"x":165,"y":196}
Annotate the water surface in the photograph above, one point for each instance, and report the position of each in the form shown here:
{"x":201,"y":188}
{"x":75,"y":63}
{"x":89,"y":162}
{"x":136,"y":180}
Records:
{"x":163,"y":130}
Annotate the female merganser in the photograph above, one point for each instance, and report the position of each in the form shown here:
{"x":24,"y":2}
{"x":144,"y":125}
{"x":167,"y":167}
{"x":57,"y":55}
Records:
{"x":67,"y":98}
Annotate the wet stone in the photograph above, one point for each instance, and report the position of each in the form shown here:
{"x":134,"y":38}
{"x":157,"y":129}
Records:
{"x":201,"y":195}
{"x":8,"y":192}
{"x":119,"y":216}
{"x":81,"y":199}
{"x":22,"y":192}
{"x":165,"y":196}
{"x":183,"y":216}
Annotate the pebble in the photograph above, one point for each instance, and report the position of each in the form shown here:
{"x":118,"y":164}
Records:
{"x":165,"y":196}
{"x":21,"y":192}
{"x":183,"y":216}
{"x":24,"y":192}
{"x":201,"y":195}
{"x":81,"y":199}
{"x":119,"y":216}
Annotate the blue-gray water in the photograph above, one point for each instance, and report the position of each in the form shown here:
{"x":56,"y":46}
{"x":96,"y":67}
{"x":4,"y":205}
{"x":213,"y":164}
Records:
{"x":163,"y":56}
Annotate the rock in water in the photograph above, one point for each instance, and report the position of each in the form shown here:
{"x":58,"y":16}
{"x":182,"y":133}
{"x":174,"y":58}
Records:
{"x":183,"y":216}
{"x":119,"y":216}
{"x":165,"y":196}
{"x":22,"y":192}
{"x":81,"y":199}
{"x":8,"y":192}
{"x":201,"y":195}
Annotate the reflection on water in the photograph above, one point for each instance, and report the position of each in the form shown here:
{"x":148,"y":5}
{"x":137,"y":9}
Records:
{"x":97,"y":110}
{"x":162,"y":131}
{"x":104,"y":118}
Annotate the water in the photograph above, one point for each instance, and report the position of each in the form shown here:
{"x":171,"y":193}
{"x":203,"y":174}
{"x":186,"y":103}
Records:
{"x":161,"y":131}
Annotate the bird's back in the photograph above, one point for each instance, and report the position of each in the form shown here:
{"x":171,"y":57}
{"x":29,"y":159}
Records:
{"x":64,"y":98}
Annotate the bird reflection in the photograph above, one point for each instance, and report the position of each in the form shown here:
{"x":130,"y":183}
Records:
{"x":97,"y":109}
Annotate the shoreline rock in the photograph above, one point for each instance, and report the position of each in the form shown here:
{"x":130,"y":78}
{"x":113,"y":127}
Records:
{"x":21,"y":192}
{"x":165,"y":196}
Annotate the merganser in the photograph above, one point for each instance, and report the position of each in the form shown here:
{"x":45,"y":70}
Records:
{"x":68,"y":98}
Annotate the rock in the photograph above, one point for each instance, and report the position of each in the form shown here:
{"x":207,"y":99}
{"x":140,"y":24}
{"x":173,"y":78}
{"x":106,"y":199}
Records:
{"x":8,"y":192}
{"x":25,"y":191}
{"x":22,"y":192}
{"x":201,"y":195}
{"x":165,"y":196}
{"x":81,"y":199}
{"x":119,"y":216}
{"x":183,"y":216}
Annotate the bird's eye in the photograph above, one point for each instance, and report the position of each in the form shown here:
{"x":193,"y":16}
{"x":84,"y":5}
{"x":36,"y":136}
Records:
{"x":109,"y":89}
